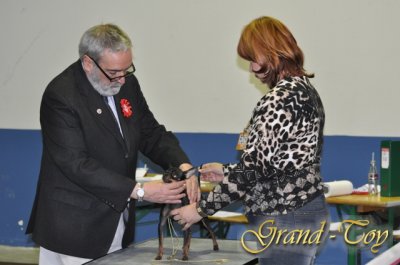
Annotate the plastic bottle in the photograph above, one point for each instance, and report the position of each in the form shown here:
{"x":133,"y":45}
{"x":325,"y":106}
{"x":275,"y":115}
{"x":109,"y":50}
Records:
{"x":373,"y":178}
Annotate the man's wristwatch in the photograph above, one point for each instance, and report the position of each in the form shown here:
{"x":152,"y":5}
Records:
{"x":200,"y":212}
{"x":140,"y":192}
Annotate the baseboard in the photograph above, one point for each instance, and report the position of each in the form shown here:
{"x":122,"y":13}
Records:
{"x":27,"y":255}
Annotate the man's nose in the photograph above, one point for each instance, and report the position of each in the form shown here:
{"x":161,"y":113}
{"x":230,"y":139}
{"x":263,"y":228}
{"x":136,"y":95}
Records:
{"x":121,"y":80}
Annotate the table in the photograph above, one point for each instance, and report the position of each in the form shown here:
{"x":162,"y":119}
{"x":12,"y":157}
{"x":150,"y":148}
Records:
{"x":364,"y":203}
{"x":230,"y":253}
{"x":206,"y":186}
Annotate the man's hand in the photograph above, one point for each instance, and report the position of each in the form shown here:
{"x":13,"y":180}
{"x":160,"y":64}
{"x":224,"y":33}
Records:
{"x":160,"y":192}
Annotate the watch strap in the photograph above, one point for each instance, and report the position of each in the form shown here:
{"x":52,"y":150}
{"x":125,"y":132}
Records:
{"x":200,"y":212}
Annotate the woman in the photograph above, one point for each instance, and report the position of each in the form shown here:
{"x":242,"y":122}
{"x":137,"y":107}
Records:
{"x":278,"y":176}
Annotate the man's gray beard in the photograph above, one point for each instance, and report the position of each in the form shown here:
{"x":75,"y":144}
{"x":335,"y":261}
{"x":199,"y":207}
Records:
{"x":104,"y":90}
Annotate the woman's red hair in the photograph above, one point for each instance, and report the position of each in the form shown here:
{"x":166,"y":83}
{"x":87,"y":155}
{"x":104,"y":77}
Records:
{"x":269,"y":43}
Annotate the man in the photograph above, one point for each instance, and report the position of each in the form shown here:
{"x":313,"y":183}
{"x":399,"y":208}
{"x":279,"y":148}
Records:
{"x":94,"y":120}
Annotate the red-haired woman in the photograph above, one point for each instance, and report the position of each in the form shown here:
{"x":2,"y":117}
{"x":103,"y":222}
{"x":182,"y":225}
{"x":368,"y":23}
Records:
{"x":278,"y":175}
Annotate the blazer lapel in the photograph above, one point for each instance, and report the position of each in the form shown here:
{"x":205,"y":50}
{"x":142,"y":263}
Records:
{"x":98,"y":108}
{"x":105,"y":116}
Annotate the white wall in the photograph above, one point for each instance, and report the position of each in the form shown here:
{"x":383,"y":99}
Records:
{"x":185,"y":54}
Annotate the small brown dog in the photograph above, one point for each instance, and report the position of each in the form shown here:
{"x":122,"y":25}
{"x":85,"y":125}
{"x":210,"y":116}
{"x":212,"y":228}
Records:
{"x":175,"y":174}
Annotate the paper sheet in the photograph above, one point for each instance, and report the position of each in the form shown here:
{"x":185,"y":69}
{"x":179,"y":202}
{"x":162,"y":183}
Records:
{"x":226,"y":214}
{"x":364,"y":189}
{"x":150,"y":178}
{"x":142,"y":177}
{"x":141,"y":171}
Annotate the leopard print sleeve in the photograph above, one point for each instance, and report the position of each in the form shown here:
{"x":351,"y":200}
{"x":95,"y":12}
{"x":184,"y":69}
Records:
{"x":284,"y":142}
{"x":238,"y":178}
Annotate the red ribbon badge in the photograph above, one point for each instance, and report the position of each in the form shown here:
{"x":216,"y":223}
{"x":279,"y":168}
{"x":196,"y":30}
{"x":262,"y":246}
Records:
{"x":126,"y":108}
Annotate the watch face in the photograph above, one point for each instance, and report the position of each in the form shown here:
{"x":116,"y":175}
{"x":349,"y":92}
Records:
{"x":140,"y":192}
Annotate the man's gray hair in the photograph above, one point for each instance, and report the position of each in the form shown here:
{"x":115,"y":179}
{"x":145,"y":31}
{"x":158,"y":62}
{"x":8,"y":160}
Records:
{"x":99,"y":38}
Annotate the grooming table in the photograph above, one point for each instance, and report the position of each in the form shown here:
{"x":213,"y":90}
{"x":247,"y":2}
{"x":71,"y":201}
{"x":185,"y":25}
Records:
{"x":230,"y":252}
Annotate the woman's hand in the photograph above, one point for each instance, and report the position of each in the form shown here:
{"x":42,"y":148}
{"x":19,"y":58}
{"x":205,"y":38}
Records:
{"x":186,"y":216}
{"x":212,"y":172}
{"x":192,"y":185}
{"x":193,"y":189}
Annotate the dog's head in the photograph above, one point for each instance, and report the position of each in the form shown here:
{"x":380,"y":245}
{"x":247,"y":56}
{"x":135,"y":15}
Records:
{"x":175,"y":174}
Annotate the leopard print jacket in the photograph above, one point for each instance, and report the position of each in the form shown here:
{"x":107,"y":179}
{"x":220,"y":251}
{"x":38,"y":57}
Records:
{"x":279,"y":169}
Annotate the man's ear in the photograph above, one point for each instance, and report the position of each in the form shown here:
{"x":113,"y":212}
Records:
{"x":87,"y":64}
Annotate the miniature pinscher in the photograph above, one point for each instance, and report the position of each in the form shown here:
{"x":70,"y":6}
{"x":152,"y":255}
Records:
{"x":175,"y":174}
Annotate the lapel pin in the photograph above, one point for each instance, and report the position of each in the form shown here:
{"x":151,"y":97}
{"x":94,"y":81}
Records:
{"x":99,"y":111}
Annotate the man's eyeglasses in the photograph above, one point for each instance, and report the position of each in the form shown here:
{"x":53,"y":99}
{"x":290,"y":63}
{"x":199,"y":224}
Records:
{"x":128,"y":71}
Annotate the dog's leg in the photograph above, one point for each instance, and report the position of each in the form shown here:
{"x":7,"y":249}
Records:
{"x":186,"y":244}
{"x":161,"y":225}
{"x":207,"y":225}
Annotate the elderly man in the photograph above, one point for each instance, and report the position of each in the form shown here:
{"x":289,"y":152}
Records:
{"x":94,"y":121}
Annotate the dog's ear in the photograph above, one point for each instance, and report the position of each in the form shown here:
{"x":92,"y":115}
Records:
{"x":172,"y":173}
{"x":179,"y":174}
{"x":168,"y":175}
